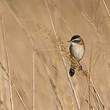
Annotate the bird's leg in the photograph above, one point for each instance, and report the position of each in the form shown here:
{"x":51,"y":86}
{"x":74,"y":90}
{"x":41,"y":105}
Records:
{"x":80,"y":67}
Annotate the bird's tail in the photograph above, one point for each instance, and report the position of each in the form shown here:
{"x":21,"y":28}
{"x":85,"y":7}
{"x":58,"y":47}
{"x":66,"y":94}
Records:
{"x":72,"y":71}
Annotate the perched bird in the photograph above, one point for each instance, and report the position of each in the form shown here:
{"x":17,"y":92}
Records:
{"x":77,"y":49}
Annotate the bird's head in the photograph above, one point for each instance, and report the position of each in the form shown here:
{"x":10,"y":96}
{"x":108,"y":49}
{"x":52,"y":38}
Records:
{"x":76,"y":39}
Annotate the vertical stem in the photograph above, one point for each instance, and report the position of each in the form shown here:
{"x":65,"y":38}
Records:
{"x":7,"y":63}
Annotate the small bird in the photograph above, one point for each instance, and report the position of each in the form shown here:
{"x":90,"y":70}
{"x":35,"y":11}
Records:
{"x":77,"y":49}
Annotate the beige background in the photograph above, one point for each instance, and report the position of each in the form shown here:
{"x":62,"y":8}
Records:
{"x":33,"y":70}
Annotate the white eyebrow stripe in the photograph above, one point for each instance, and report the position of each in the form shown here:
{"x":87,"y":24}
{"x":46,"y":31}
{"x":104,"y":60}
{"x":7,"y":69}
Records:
{"x":77,"y":39}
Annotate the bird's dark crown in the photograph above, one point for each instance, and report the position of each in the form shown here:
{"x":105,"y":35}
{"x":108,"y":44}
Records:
{"x":75,"y":37}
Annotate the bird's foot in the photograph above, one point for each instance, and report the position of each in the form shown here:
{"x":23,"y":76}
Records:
{"x":80,"y":67}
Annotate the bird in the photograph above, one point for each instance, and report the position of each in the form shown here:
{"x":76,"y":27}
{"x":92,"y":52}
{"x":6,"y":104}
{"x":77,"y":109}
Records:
{"x":77,"y":50}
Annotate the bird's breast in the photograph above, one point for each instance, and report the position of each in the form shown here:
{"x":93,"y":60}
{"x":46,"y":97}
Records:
{"x":77,"y":51}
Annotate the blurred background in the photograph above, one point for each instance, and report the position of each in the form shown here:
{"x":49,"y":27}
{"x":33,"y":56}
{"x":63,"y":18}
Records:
{"x":33,"y":68}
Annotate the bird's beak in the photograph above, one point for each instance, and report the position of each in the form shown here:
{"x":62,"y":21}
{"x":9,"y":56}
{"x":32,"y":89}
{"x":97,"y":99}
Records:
{"x":69,"y":41}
